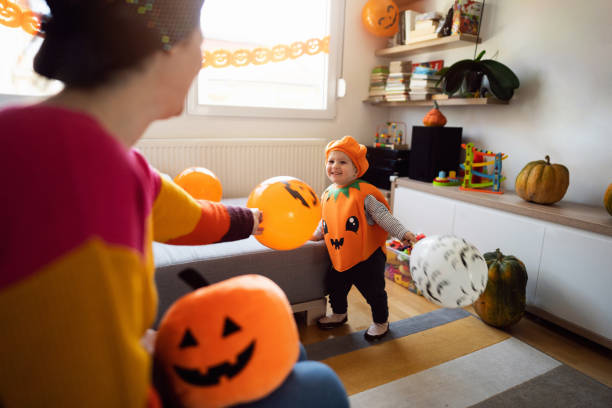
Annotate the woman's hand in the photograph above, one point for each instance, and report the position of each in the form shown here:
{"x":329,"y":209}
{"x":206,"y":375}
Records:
{"x":257,"y":220}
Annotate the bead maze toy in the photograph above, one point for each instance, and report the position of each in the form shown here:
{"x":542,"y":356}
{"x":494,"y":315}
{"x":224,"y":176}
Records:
{"x":474,"y":159}
{"x":391,"y":135}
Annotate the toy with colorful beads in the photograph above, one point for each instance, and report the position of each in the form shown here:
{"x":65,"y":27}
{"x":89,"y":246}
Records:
{"x":474,"y":158}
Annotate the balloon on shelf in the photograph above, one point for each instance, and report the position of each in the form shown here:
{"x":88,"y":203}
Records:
{"x":448,"y":270}
{"x":380,"y":17}
{"x":200,"y":183}
{"x":291,"y":212}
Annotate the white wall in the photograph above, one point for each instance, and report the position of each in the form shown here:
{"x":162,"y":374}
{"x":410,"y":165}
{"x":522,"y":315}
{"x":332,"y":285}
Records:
{"x":561,"y":52}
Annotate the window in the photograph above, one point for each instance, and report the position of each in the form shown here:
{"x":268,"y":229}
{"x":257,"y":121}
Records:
{"x":18,"y":47}
{"x":271,"y":58}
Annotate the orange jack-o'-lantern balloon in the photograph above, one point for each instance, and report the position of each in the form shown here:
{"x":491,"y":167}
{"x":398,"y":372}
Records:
{"x":380,"y":17}
{"x":200,"y":183}
{"x":232,"y":342}
{"x":291,"y":212}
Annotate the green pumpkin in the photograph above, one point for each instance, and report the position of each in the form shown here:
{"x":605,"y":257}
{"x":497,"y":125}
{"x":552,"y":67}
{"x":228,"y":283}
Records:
{"x":502,"y":304}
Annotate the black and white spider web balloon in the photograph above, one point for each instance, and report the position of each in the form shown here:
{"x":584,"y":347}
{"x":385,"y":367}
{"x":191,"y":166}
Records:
{"x":448,"y":270}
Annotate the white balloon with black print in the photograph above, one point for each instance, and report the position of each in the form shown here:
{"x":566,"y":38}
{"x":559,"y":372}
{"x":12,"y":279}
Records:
{"x":448,"y":270}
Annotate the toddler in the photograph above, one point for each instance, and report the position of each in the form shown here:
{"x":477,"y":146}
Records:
{"x":355,"y":224}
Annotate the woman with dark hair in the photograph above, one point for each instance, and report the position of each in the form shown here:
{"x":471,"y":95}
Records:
{"x":79,"y":209}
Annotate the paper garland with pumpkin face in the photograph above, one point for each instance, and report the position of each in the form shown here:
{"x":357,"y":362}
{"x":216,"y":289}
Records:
{"x":348,"y":236}
{"x":232,"y":342}
{"x":380,"y":17}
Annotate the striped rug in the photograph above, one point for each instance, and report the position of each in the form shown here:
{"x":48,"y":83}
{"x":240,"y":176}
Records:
{"x":450,"y":358}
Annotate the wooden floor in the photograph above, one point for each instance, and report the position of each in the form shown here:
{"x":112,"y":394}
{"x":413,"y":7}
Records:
{"x":588,"y":357}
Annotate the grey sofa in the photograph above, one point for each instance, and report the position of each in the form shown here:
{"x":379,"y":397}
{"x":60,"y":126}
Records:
{"x":299,"y":272}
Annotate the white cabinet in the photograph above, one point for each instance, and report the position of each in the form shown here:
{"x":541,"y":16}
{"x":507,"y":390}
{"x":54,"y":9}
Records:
{"x":570,"y":269}
{"x":575,"y":280}
{"x":512,"y":234}
{"x":422,"y":212}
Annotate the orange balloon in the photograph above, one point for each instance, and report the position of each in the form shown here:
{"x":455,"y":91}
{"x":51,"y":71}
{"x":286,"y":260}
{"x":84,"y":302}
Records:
{"x":200,"y":183}
{"x":291,"y":212}
{"x":381,"y":17}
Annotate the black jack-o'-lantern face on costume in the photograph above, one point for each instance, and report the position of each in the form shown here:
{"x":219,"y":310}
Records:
{"x":228,"y":343}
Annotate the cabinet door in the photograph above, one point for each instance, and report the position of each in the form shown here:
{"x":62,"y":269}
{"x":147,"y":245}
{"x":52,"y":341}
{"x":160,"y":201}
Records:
{"x":422,"y":212}
{"x":512,"y":234}
{"x":575,"y":281}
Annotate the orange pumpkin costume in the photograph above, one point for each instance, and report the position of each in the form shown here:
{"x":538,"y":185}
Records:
{"x":354,"y":245}
{"x":350,"y":239}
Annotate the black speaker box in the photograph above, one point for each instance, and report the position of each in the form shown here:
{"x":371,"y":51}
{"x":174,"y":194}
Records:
{"x":434,"y":149}
{"x":385,"y":163}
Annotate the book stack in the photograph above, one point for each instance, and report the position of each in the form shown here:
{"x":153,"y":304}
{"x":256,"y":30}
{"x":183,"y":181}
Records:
{"x":423,"y":84}
{"x":396,"y":89}
{"x":405,"y":26}
{"x":426,"y":27}
{"x":378,"y":80}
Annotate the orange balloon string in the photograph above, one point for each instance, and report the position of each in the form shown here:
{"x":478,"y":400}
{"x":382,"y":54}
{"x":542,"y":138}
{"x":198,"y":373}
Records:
{"x":14,"y":16}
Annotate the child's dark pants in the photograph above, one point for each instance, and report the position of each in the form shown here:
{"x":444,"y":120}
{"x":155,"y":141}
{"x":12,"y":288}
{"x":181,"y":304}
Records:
{"x":369,"y":278}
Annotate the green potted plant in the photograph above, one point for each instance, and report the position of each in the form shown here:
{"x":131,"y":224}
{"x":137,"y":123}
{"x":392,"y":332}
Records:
{"x":502,"y":81}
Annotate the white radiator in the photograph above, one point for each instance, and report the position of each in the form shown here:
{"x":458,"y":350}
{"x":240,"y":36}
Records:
{"x":241,"y":164}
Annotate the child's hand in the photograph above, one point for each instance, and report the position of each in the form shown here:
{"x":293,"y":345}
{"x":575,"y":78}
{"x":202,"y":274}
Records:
{"x":409,"y":239}
{"x":257,"y":220}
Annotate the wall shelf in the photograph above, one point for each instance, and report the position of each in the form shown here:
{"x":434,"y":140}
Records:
{"x":442,"y":43}
{"x":442,"y":102}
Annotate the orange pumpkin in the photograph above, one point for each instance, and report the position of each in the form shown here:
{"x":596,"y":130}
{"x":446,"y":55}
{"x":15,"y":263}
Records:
{"x":348,"y":236}
{"x":232,"y":342}
{"x":542,"y":182}
{"x":434,"y":117}
{"x":608,"y":199}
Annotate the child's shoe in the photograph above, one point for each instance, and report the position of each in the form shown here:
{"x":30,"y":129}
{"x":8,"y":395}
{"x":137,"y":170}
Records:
{"x":377,"y":331}
{"x":330,"y":322}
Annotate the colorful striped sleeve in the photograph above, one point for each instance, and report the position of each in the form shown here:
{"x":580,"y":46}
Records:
{"x":181,"y":220}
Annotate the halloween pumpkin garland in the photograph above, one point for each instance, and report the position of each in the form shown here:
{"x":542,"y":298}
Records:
{"x":232,"y":342}
{"x":348,"y":235}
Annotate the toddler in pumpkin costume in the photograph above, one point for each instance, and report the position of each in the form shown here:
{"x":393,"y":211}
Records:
{"x":355,"y":224}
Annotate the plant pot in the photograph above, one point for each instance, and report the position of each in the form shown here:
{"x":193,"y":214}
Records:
{"x":473,"y":81}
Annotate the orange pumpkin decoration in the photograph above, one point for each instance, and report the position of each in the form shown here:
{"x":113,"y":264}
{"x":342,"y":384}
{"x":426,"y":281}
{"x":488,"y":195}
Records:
{"x":434,"y":117}
{"x":348,"y":236}
{"x":291,"y":211}
{"x":542,"y":182}
{"x":608,"y":199}
{"x":381,"y":17}
{"x":232,"y":342}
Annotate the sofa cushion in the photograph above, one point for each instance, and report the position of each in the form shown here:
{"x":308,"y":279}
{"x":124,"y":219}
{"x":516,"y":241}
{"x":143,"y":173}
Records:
{"x":299,"y":272}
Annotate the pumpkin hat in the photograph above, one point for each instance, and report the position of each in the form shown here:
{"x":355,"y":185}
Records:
{"x":349,"y":146}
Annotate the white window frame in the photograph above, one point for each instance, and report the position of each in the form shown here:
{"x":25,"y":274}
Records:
{"x":334,"y":69}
